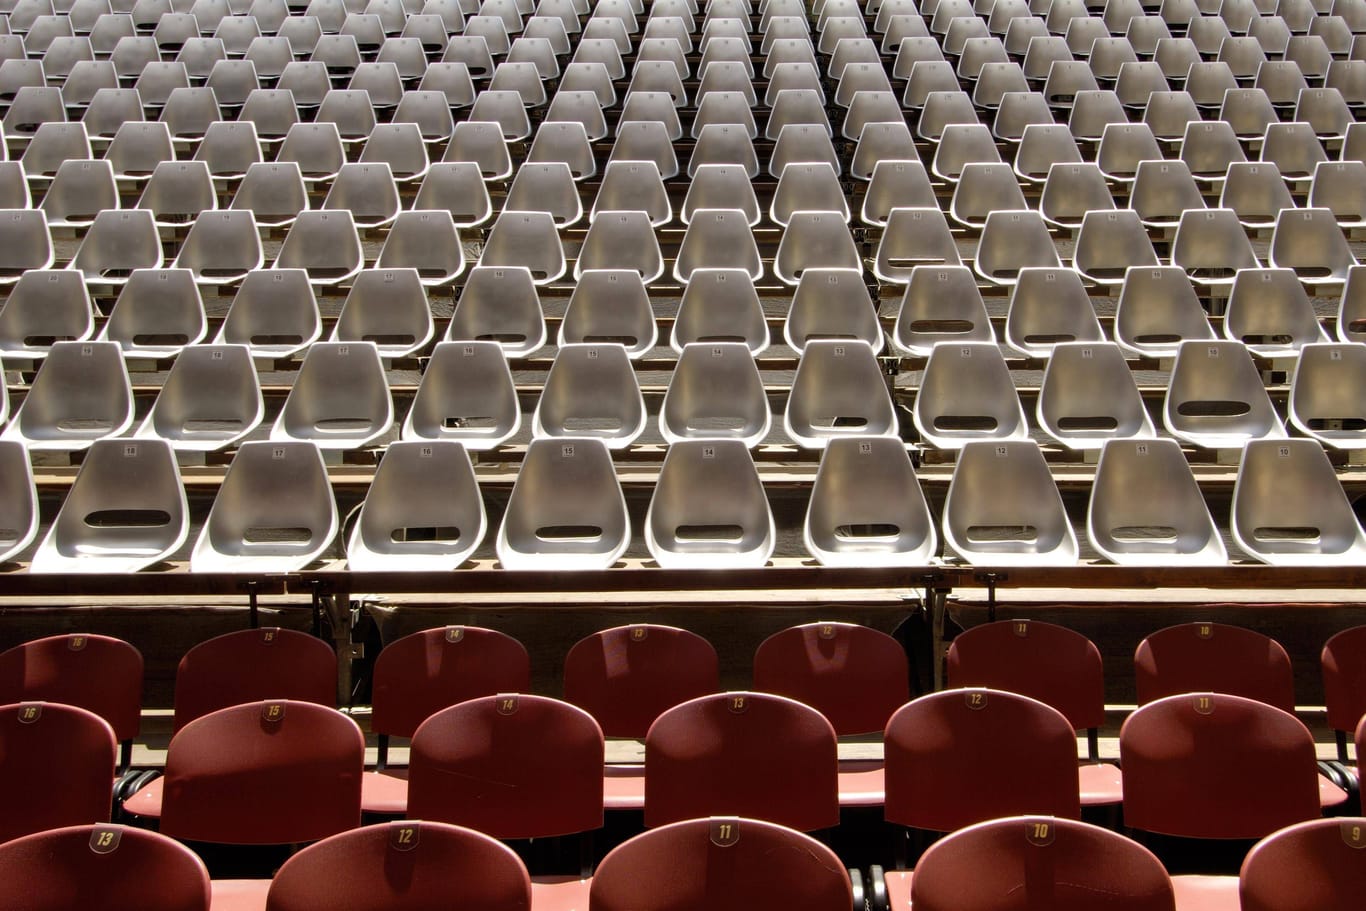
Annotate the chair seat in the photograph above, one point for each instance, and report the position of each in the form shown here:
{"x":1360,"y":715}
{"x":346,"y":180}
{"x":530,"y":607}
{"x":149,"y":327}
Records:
{"x":623,"y":787}
{"x":384,"y":792}
{"x":238,"y":894}
{"x":1205,"y":893}
{"x":862,"y":783}
{"x":899,"y":889}
{"x":1330,"y":795}
{"x":147,"y":801}
{"x":1101,"y":784}
{"x":559,"y":893}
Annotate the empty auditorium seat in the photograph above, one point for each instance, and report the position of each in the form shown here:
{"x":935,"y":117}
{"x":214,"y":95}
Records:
{"x":724,"y":863}
{"x":65,"y":756}
{"x":754,"y":754}
{"x":125,"y":511}
{"x":1065,"y":864}
{"x":274,"y":511}
{"x":101,"y":864}
{"x":404,"y":864}
{"x":566,"y":509}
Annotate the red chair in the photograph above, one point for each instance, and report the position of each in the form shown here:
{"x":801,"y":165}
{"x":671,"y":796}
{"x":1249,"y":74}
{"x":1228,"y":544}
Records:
{"x":960,"y":757}
{"x":1344,"y":683}
{"x":512,"y":766}
{"x":1039,"y":863}
{"x":627,"y":676}
{"x":721,"y":864}
{"x":1311,"y":866}
{"x":402,"y":866}
{"x":1214,"y":657}
{"x":262,"y":773}
{"x":1050,"y":663}
{"x":104,"y":867}
{"x":855,"y":676}
{"x":742,"y":754}
{"x":252,"y":665}
{"x":98,"y":673}
{"x":59,"y":762}
{"x":1211,"y":765}
{"x":420,"y":674}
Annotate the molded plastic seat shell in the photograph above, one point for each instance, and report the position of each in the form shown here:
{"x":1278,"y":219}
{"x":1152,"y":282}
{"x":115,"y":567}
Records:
{"x":1003,"y":508}
{"x":566,"y":510}
{"x":709,"y":510}
{"x":274,"y":511}
{"x":867,"y":507}
{"x":1146,"y":509}
{"x":423,"y":511}
{"x":1289,"y":509}
{"x":125,"y":511}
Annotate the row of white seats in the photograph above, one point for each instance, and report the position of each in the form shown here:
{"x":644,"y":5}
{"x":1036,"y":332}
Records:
{"x":276,"y":511}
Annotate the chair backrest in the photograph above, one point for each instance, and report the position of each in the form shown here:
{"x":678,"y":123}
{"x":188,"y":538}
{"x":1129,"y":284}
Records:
{"x":274,"y":510}
{"x":962,"y":756}
{"x":724,"y":864}
{"x":264,"y":773}
{"x":1344,"y":678}
{"x":250,"y":665}
{"x":510,"y":766}
{"x":1004,"y":508}
{"x":1147,"y":510}
{"x":101,"y":866}
{"x":404,"y":864}
{"x":745,"y":753}
{"x":98,"y":673}
{"x":627,"y":676}
{"x":853,"y":675}
{"x":1032,"y":863}
{"x":1200,"y":657}
{"x":709,"y":509}
{"x":1053,"y":664}
{"x":64,"y":756}
{"x":1309,"y":865}
{"x":1191,"y":763}
{"x":867,"y":507}
{"x":126,"y":510}
{"x":424,"y":672}
{"x":1289,"y":508}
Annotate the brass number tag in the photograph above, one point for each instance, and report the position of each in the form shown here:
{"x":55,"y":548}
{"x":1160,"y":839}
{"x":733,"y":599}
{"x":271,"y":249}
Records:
{"x":105,"y":839}
{"x":738,"y":703}
{"x":1039,"y":832}
{"x":1021,"y":628}
{"x":975,"y":699}
{"x":454,"y":634}
{"x":30,"y":712}
{"x":77,"y":643}
{"x":403,"y":836}
{"x":273,"y":712}
{"x":507,"y":705}
{"x":1204,"y":704}
{"x":639,"y":634}
{"x":1354,"y":835}
{"x":725,"y":831}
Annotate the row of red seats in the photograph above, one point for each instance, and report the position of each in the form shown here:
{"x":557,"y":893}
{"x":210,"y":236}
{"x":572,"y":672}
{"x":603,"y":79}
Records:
{"x":722,"y":864}
{"x":1202,"y":765}
{"x":626,"y":676}
{"x":958,"y":757}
